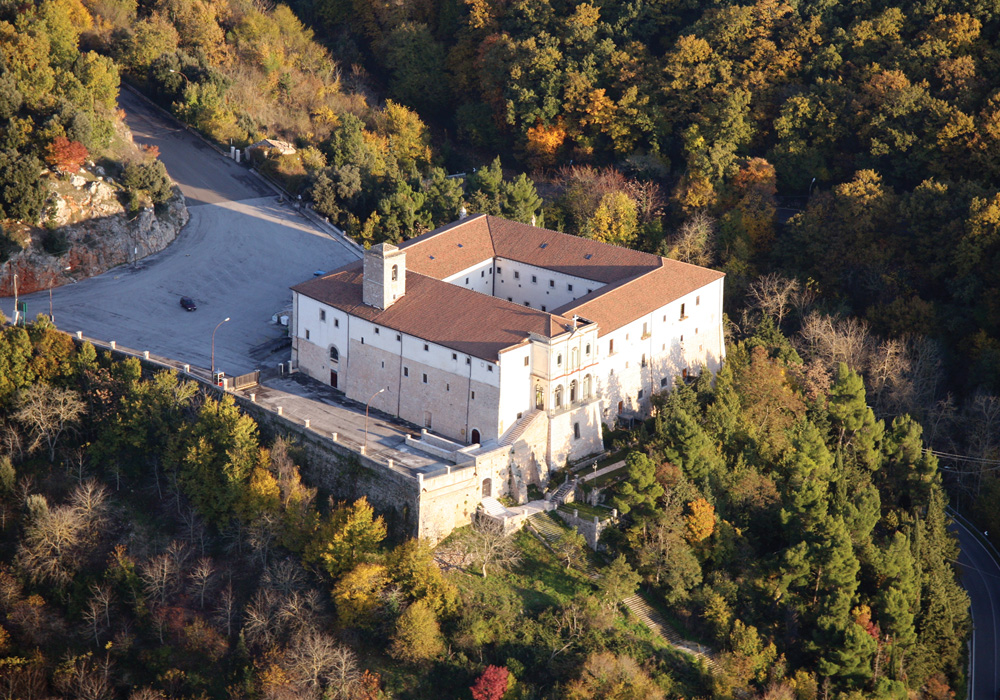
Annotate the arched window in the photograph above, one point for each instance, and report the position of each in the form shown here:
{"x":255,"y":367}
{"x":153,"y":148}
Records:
{"x":539,"y":397}
{"x":572,"y":391}
{"x":587,"y":353}
{"x":558,"y":397}
{"x":395,"y":272}
{"x":559,"y":360}
{"x":586,"y":387}
{"x":574,"y":358}
{"x":334,"y":354}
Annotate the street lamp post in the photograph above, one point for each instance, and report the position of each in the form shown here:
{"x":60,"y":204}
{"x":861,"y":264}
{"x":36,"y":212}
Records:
{"x":15,"y":299}
{"x":180,"y":73}
{"x":213,"y":346}
{"x":364,"y":448}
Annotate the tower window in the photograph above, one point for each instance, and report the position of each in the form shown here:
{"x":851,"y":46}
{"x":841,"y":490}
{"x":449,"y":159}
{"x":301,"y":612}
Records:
{"x":395,"y":272}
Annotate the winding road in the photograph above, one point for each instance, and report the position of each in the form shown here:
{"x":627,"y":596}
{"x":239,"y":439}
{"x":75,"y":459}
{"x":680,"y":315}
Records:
{"x":237,"y":258}
{"x":980,"y":573}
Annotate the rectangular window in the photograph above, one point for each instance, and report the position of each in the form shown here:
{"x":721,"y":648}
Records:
{"x":552,"y":283}
{"x":611,"y":346}
{"x":526,"y":362}
{"x":534,"y":279}
{"x":645,"y":330}
{"x":576,"y":431}
{"x":376,"y":331}
{"x":473,"y":395}
{"x":383,"y":364}
{"x":499,"y":269}
{"x":426,"y":347}
{"x":527,"y":303}
{"x":406,"y":371}
{"x":307,"y":334}
{"x":447,"y":387}
{"x":454,"y":355}
{"x":510,"y":298}
{"x":663,"y":382}
{"x":482,"y":273}
{"x":399,"y":337}
{"x":468,"y":360}
{"x":543,"y":307}
{"x":682,"y":312}
{"x":425,"y":379}
{"x":336,"y":323}
{"x":569,"y":287}
{"x":517,"y":275}
{"x":697,"y":301}
{"x":322,"y":314}
{"x":640,"y":393}
{"x":489,"y":368}
{"x":466,"y":280}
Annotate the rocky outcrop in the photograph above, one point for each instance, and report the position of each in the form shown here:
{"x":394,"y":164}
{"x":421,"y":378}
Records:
{"x":107,"y":236}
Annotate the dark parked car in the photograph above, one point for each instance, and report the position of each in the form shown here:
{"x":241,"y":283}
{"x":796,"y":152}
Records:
{"x":188,"y":303}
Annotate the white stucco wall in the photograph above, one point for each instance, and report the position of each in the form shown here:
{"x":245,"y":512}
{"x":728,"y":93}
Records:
{"x":550,"y":289}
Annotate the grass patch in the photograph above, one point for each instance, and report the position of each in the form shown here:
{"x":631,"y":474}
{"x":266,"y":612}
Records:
{"x":539,"y":579}
{"x":586,"y":511}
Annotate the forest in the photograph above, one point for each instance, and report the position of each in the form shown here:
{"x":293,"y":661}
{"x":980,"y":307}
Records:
{"x":156,"y":545}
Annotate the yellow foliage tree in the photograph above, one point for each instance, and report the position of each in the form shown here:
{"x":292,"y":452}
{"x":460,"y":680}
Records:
{"x":357,"y":594}
{"x":544,"y":141}
{"x":615,"y":221}
{"x":700,"y":520}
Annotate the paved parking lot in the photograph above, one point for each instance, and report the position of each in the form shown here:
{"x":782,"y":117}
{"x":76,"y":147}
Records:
{"x":236,"y":259}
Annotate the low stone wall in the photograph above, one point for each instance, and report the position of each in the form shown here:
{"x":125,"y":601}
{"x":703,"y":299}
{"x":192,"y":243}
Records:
{"x":591,"y":528}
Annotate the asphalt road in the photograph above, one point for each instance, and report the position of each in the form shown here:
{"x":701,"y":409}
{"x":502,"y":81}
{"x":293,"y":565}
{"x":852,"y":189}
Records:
{"x":204,"y":177}
{"x":981,"y":578}
{"x":237,"y":258}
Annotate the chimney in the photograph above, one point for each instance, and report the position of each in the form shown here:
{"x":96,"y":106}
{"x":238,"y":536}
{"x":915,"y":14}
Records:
{"x":384,"y":275}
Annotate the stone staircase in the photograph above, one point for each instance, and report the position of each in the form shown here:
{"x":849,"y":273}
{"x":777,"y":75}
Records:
{"x":559,"y":496}
{"x":517,"y":430}
{"x":545,"y":528}
{"x":495,"y":508}
{"x":638,"y":606}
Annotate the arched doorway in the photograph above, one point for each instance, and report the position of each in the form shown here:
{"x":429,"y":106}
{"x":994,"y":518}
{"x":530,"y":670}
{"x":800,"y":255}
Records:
{"x":475,"y":437}
{"x":487,"y":488}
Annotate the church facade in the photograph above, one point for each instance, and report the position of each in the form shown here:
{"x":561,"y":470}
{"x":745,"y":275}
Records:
{"x":484,"y":328}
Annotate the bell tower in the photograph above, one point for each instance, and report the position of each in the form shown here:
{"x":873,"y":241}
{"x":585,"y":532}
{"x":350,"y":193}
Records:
{"x":384,"y":275}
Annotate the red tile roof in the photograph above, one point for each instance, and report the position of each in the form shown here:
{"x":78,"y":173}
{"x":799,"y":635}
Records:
{"x":634,"y":284}
{"x":440,"y":312}
{"x":615,"y":305}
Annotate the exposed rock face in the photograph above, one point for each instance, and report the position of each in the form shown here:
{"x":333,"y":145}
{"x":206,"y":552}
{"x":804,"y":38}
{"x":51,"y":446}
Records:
{"x":107,"y":239}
